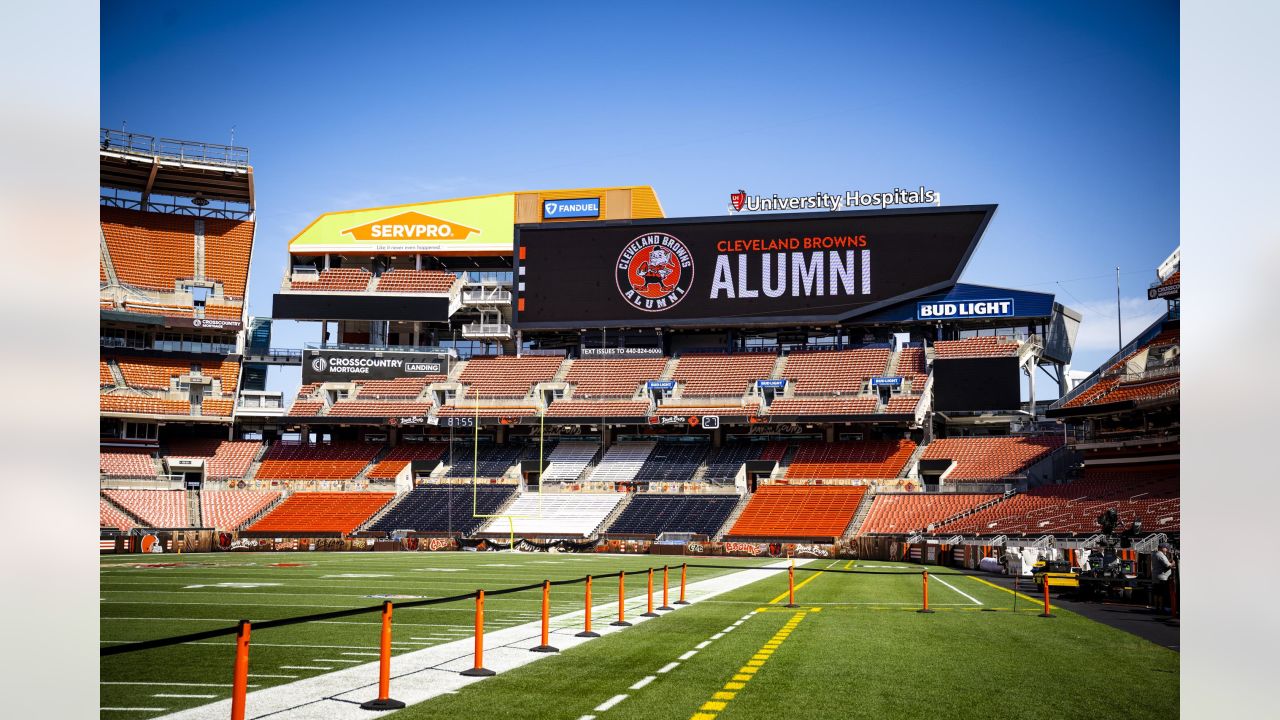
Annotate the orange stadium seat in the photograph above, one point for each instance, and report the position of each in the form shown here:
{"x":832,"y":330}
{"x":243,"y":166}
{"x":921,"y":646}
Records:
{"x":223,"y":459}
{"x":229,"y":509}
{"x":156,"y":508}
{"x":337,"y":461}
{"x":227,"y":244}
{"x":336,"y":280}
{"x":416,"y":281}
{"x":507,"y":375}
{"x":776,"y":511}
{"x":612,"y":378}
{"x":721,"y":375}
{"x":991,"y":458}
{"x":901,"y":513}
{"x":322,"y":512}
{"x":984,"y":346}
{"x":121,"y":462}
{"x":616,"y":408}
{"x":402,"y":455}
{"x":149,"y":250}
{"x":834,"y":371}
{"x":850,"y":460}
{"x":143,"y":405}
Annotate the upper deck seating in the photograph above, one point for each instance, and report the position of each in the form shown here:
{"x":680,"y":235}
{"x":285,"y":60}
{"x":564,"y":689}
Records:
{"x":615,"y":408}
{"x":612,"y":378}
{"x":229,"y":509}
{"x":322,"y":512}
{"x":672,"y":462}
{"x":991,"y":458}
{"x":622,"y":461}
{"x":455,"y":509}
{"x":852,"y":460}
{"x":149,"y":250}
{"x":507,"y":375}
{"x":223,"y":459}
{"x":569,"y":458}
{"x":406,"y":388}
{"x":984,"y":346}
{"x":335,"y":461}
{"x":403,"y":454}
{"x":902,"y":404}
{"x":378,"y":408}
{"x":834,"y":371}
{"x":912,"y":369}
{"x":416,"y":281}
{"x":778,"y":511}
{"x":226,"y":253}
{"x":652,"y":515}
{"x":335,"y":280}
{"x":901,"y":513}
{"x":822,"y":406}
{"x":126,"y":462}
{"x":566,"y":515}
{"x":142,"y":405}
{"x":722,"y":375}
{"x":156,"y":508}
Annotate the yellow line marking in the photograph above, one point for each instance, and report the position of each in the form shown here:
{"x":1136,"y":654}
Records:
{"x":721,"y":698}
{"x":722,"y":695}
{"x":703,"y":716}
{"x":799,"y":585}
{"x":848,"y":565}
{"x":749,"y":670}
{"x":734,"y":685}
{"x":1011,"y":592}
{"x":712,"y":705}
{"x":740,"y":679}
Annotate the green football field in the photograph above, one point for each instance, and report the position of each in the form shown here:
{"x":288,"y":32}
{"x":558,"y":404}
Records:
{"x":855,"y":648}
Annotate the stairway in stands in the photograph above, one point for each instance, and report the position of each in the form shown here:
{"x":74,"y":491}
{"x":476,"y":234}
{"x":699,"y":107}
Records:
{"x":193,"y":509}
{"x":563,"y":372}
{"x":864,"y":509}
{"x":733,"y":516}
{"x":116,"y":375}
{"x":912,"y":462}
{"x":125,"y":511}
{"x":669,"y":370}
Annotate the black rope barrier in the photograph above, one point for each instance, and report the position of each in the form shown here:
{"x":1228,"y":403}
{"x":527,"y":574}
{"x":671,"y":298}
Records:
{"x":350,"y":612}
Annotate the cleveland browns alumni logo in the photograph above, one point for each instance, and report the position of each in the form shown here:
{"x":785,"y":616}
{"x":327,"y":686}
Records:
{"x":654,"y":272}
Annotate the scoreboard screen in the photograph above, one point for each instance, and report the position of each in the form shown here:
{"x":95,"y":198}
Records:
{"x":974,"y":384}
{"x":754,"y":270}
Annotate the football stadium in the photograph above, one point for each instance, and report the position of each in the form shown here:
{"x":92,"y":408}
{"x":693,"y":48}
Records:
{"x":558,"y":455}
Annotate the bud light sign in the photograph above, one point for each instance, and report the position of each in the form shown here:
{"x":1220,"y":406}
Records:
{"x":886,"y":381}
{"x":966,"y":309}
{"x":661,"y":384}
{"x":577,"y":208}
{"x":774,"y":384}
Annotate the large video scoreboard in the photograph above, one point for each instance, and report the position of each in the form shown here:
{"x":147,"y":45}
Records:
{"x":738,"y":271}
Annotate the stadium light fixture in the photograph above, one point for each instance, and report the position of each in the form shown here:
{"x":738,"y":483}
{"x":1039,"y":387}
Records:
{"x":199,"y":200}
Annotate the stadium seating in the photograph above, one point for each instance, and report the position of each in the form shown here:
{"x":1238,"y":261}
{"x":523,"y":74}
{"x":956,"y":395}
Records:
{"x":671,"y":462}
{"x":105,"y":377}
{"x":834,"y":371}
{"x":488,"y":461}
{"x":1149,"y":390}
{"x":990,"y":458}
{"x":415,"y":281}
{"x":902,"y":404}
{"x":911,"y":368}
{"x":487,"y":411}
{"x":810,"y":512}
{"x":985,"y":346}
{"x":723,"y":463}
{"x":622,"y":461}
{"x":507,"y":375}
{"x":156,"y":508}
{"x":407,"y":388}
{"x":322,"y":512}
{"x":126,"y":463}
{"x":226,"y":254}
{"x":149,"y":250}
{"x":306,"y":408}
{"x":654,"y":514}
{"x":721,"y":375}
{"x":612,"y":378}
{"x":854,"y":460}
{"x":229,"y":509}
{"x":401,"y":455}
{"x":901,"y":513}
{"x":561,"y":515}
{"x":742,"y":409}
{"x":569,"y":458}
{"x":377,"y":408}
{"x":445,"y":509}
{"x":335,"y":280}
{"x":336,"y":461}
{"x":156,"y":372}
{"x":110,"y":517}
{"x":575,"y":408}
{"x":142,"y":405}
{"x":221,"y":407}
{"x":822,"y":406}
{"x":1146,"y":493}
{"x":223,"y":459}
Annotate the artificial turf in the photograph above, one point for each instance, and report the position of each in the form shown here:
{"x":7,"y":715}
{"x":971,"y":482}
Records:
{"x":863,"y":653}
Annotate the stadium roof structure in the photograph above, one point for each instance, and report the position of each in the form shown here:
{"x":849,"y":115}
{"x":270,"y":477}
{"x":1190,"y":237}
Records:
{"x":176,"y":168}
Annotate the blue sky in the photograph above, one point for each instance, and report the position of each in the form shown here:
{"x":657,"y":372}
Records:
{"x":1065,"y":114}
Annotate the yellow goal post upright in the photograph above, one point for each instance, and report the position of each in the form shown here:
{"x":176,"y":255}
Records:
{"x":475,"y":473}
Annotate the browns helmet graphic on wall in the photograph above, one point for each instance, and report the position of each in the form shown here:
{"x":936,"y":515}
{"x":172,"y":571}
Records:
{"x":654,"y":272}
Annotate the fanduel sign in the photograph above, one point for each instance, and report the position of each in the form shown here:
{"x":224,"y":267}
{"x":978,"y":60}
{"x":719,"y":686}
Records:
{"x":577,"y":208}
{"x":965,"y":309}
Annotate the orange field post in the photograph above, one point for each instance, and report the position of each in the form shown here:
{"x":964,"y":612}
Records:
{"x":665,"y":604}
{"x":791,"y":585}
{"x":925,"y":580}
{"x":684,"y":567}
{"x":1045,"y":583}
{"x":649,"y":597}
{"x":240,"y":672}
{"x":586,"y":630}
{"x":545,"y":647}
{"x":384,"y":701}
{"x":479,"y":670}
{"x":622,"y":597}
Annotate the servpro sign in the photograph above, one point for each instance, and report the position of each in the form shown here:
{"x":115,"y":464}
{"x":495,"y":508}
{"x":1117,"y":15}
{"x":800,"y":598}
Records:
{"x":468,"y":226}
{"x":411,"y":226}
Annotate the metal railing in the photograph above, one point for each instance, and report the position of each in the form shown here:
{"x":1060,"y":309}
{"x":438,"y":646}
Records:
{"x":184,"y":150}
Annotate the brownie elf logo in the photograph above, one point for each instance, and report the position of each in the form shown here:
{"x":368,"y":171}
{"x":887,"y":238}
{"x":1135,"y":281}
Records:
{"x":654,"y":272}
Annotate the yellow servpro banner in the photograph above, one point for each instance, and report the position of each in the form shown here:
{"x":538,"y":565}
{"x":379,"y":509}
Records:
{"x":468,"y":226}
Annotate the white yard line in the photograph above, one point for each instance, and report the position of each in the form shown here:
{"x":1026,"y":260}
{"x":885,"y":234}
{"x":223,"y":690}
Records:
{"x":668,"y":667}
{"x":643,"y":681}
{"x":172,"y":684}
{"x":433,"y":671}
{"x":131,"y":709}
{"x":688,"y":655}
{"x":175,"y":695}
{"x":602,"y":707}
{"x":975,"y":600}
